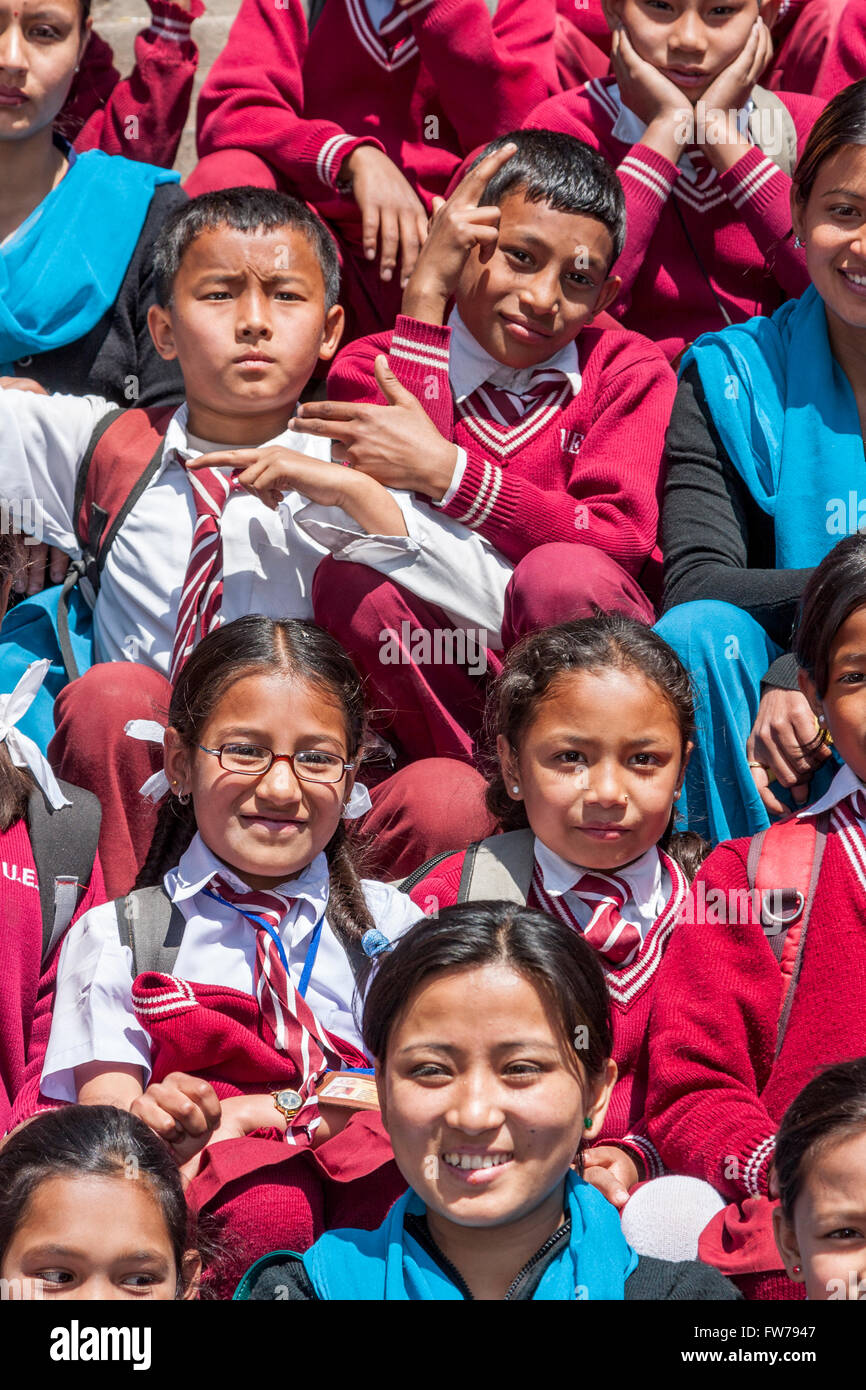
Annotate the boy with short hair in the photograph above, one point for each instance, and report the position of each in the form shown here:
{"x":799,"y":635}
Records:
{"x":512,"y":414}
{"x":705,"y":157}
{"x":247,"y":283}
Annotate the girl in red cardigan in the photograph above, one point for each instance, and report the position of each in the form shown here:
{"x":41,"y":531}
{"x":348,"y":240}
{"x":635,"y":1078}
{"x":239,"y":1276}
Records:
{"x":739,"y":1028}
{"x":707,"y":190}
{"x":593,"y":722}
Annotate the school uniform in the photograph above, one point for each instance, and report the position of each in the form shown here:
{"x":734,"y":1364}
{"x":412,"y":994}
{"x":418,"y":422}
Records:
{"x":717,"y":1086}
{"x":803,"y":34}
{"x":844,"y":57}
{"x":141,"y":116}
{"x":738,"y":221}
{"x":426,"y":84}
{"x":657,"y":891}
{"x":542,"y":474}
{"x":269,"y":560}
{"x":28,"y":987}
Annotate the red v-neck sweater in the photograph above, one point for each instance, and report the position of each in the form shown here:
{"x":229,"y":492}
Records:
{"x":716,"y":1090}
{"x":738,"y":221}
{"x":303,"y":104}
{"x":591,"y":474}
{"x":631,"y":991}
{"x":28,"y":992}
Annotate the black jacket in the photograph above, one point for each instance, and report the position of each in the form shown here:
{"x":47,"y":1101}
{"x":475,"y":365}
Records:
{"x":716,"y":541}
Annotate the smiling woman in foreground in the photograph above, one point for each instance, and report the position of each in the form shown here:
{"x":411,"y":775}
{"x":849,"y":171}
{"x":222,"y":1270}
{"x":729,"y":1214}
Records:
{"x":491,"y":1030}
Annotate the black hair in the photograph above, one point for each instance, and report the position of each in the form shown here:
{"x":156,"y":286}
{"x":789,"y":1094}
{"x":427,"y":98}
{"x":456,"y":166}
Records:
{"x":556,"y":960}
{"x":534,"y":665}
{"x":92,"y":1140}
{"x":570,"y":176}
{"x":834,"y":589}
{"x":841,"y":123}
{"x":249,"y":646}
{"x":831,"y":1107}
{"x":244,"y":209}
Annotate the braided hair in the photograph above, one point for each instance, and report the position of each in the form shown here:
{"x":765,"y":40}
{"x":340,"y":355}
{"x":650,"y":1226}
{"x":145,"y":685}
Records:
{"x":257,"y":645}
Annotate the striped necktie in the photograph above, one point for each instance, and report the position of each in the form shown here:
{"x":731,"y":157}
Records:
{"x":201,"y":596}
{"x":617,"y":940}
{"x":395,"y":27}
{"x":509,"y":408}
{"x":294,"y":1025}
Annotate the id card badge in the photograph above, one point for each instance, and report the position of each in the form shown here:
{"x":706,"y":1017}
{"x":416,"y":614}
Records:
{"x":351,"y":1090}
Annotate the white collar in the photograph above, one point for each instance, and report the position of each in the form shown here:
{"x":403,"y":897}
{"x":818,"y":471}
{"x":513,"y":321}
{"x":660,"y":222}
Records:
{"x":469,"y":365}
{"x":179,"y":441}
{"x":643,"y":875}
{"x":844,"y":783}
{"x":198,"y":865}
{"x":630,"y":129}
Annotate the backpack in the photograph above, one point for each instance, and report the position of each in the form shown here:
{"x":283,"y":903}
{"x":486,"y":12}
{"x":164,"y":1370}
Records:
{"x":64,"y":846}
{"x":152,"y":926}
{"x":123,"y":454}
{"x":782,"y":149}
{"x":783,"y":866}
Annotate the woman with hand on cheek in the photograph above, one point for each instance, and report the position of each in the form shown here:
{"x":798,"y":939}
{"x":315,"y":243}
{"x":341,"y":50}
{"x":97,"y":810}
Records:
{"x":491,"y":1033}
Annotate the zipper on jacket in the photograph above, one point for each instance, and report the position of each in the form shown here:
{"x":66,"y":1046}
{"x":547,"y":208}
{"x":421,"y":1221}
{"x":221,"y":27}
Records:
{"x":549,"y":1244}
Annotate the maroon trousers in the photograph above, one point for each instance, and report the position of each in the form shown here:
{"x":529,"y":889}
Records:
{"x":432,"y":806}
{"x":434,"y":707}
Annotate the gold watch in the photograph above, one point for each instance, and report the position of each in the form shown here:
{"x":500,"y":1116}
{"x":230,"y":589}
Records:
{"x":288,"y":1103}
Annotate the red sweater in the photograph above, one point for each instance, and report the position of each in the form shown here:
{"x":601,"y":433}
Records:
{"x":142,"y":116}
{"x":28,"y":995}
{"x":631,"y":990}
{"x":716,"y":1090}
{"x":566,"y":473}
{"x":738,"y":222}
{"x":303,"y":104}
{"x":845,"y":57}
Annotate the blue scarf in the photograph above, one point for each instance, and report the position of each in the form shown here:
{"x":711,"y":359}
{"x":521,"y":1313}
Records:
{"x":788,"y":419}
{"x":61,"y":270}
{"x":389,"y":1265}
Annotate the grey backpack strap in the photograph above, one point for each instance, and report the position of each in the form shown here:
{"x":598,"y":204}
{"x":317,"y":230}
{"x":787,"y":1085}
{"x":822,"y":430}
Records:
{"x":772,"y":129}
{"x":499,"y":867}
{"x":151,"y":925}
{"x":64,"y":847}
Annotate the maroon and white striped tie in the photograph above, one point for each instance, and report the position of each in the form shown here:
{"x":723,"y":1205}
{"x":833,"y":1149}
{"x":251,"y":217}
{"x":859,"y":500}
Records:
{"x":202,"y":593}
{"x":296,"y":1030}
{"x":395,"y":27}
{"x":607,"y":931}
{"x":508,"y":407}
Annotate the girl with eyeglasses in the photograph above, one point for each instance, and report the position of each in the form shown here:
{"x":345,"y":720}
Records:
{"x":219,"y":1040}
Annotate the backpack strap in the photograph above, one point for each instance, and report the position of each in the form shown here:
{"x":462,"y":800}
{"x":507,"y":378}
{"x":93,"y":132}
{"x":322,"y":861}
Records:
{"x":124,"y":453}
{"x":64,"y":845}
{"x":781,"y":146}
{"x":152,"y":926}
{"x":783,"y":866}
{"x":498,"y":867}
{"x":412,"y":880}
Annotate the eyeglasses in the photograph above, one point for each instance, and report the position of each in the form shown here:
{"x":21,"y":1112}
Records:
{"x":310,"y":764}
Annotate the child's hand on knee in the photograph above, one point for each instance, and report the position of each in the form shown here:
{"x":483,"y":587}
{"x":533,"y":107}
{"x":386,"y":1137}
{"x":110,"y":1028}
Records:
{"x":393,"y":216}
{"x":611,"y":1171}
{"x":183,"y":1110}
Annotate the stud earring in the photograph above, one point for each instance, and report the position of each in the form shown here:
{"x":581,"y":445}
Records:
{"x":796,"y":1269}
{"x":587,"y":1122}
{"x":798,"y":243}
{"x":515,"y":789}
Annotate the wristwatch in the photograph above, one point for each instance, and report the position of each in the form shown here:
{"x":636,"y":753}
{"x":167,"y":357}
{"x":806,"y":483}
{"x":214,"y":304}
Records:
{"x":288,"y":1103}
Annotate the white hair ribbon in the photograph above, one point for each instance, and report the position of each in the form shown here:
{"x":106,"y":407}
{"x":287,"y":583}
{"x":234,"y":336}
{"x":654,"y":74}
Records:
{"x":148,"y":731}
{"x":22,"y":750}
{"x":359,"y":802}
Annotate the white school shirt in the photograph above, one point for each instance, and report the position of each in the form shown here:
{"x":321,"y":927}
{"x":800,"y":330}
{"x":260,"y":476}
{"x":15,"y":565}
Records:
{"x":269,"y":560}
{"x":844,"y":783}
{"x":93,"y":1018}
{"x":470,"y":365}
{"x":629,"y":128}
{"x":648,"y":880}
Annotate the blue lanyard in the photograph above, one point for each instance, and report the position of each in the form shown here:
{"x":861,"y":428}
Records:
{"x":312,"y":951}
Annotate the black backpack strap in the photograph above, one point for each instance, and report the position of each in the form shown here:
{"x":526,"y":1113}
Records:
{"x":411,"y":881}
{"x":64,"y":847}
{"x":150,"y":924}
